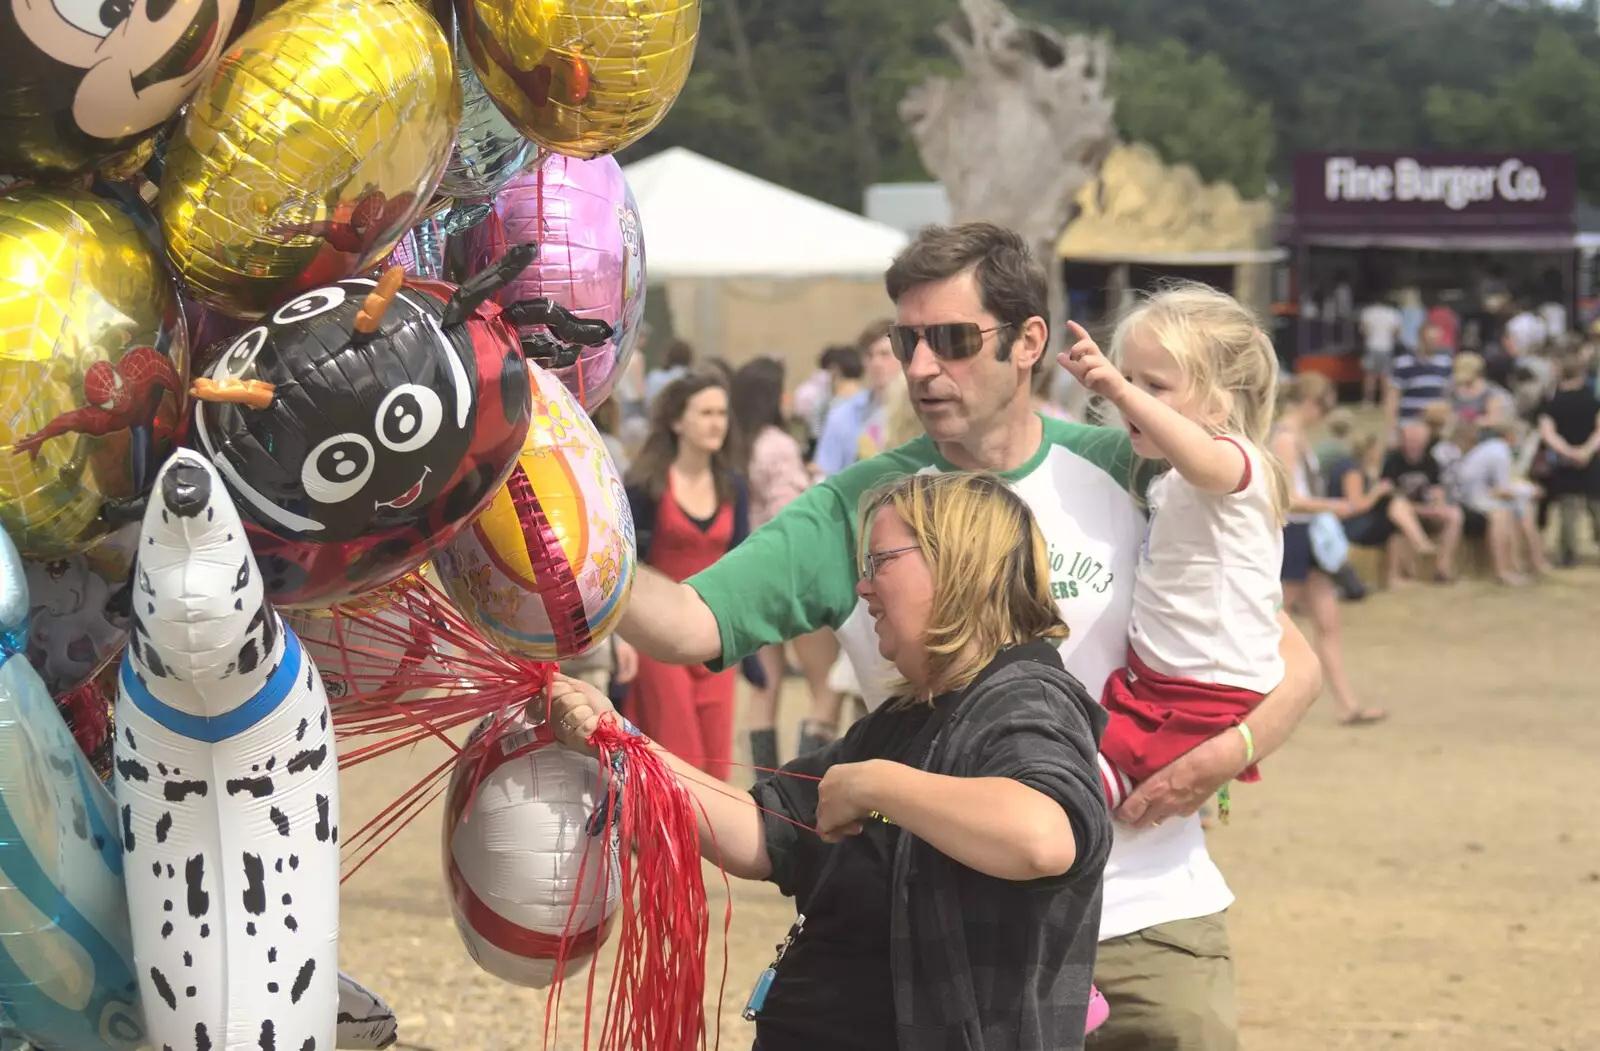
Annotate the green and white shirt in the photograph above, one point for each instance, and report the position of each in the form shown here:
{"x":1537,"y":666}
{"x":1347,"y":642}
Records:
{"x":798,"y":573}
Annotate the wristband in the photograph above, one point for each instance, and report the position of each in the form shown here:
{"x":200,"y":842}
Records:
{"x":1249,"y":744}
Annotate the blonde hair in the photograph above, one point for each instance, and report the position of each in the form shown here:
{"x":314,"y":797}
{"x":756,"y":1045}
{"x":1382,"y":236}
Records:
{"x":1224,"y":357}
{"x":1340,"y":422}
{"x":1437,"y":415}
{"x":1303,"y":387}
{"x":990,"y":567}
{"x":1468,"y":366}
{"x":1364,"y":448}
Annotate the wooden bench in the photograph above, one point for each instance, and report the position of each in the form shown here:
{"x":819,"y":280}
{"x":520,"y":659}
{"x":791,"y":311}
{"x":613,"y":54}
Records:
{"x":1472,"y":563}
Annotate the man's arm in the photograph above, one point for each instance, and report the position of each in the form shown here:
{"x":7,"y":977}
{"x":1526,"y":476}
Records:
{"x":790,"y":577}
{"x":669,"y":621}
{"x":1184,"y":785}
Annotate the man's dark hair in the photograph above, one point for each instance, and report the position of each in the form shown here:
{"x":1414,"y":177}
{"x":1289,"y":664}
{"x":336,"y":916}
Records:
{"x":1011,"y":283}
{"x":679,"y":355}
{"x":845,"y":360}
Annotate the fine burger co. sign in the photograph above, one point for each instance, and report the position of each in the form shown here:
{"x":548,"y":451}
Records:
{"x":1520,"y":190}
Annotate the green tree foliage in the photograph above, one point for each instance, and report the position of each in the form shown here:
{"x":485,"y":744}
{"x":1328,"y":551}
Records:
{"x":1547,"y":103}
{"x":1219,"y":129}
{"x":804,"y":92}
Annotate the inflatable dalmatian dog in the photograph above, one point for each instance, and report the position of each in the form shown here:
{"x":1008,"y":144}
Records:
{"x":228,"y":791}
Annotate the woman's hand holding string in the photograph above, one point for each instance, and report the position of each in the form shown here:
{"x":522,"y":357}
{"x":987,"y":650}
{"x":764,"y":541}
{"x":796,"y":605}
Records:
{"x":730,"y":826}
{"x":574,"y":711}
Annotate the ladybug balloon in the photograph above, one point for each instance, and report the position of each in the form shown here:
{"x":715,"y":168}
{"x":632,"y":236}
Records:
{"x":363,"y":423}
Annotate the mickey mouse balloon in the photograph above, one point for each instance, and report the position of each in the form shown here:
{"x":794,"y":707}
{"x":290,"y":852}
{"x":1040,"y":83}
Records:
{"x":82,"y":80}
{"x":363,"y":423}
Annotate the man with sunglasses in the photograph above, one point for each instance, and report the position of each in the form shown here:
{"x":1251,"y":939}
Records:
{"x":970,"y":331}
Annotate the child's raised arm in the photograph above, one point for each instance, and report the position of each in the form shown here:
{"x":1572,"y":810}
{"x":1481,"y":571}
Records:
{"x":1196,"y":454}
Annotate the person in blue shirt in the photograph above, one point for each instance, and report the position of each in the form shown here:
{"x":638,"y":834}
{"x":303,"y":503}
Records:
{"x":848,"y":412}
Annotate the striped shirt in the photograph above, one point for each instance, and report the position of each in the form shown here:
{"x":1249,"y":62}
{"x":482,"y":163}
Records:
{"x":1421,"y":379}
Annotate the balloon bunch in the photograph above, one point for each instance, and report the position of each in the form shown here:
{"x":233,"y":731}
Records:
{"x":303,"y":308}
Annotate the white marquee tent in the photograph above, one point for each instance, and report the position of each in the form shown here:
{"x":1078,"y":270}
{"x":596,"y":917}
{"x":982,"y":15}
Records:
{"x":703,"y":219}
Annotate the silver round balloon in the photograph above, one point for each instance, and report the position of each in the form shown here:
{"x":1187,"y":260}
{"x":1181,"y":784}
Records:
{"x":489,"y":153}
{"x":421,"y":250}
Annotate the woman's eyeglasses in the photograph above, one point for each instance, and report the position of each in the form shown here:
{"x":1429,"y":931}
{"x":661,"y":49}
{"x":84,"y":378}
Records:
{"x":876,"y":560}
{"x":951,"y":340}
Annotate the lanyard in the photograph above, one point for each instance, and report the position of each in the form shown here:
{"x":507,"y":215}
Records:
{"x":922,"y":743}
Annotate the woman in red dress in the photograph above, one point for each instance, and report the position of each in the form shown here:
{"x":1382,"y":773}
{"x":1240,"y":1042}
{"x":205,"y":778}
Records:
{"x":689,"y":508}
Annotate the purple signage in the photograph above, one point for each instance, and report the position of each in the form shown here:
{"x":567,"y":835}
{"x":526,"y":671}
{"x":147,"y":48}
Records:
{"x":1390,"y":191}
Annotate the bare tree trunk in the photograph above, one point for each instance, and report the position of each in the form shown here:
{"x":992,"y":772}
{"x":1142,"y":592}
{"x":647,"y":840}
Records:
{"x":1020,"y":132}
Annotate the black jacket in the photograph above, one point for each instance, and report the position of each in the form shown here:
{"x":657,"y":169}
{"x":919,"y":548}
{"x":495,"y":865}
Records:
{"x":979,"y":962}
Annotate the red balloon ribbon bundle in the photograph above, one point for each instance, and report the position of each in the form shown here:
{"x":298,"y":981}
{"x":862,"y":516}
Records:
{"x":658,"y":986}
{"x":656,"y":1002}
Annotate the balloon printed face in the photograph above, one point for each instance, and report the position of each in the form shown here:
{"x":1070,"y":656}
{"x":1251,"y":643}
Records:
{"x":353,"y":451}
{"x":369,"y":456}
{"x":130,"y":64}
{"x":582,"y":77}
{"x":93,"y":363}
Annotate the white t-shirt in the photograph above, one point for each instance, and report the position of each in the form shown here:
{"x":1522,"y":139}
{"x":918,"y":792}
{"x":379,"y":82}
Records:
{"x":1554,"y":316}
{"x":1380,"y":327}
{"x":1528,"y":331}
{"x":1077,"y":489}
{"x":1483,"y":469}
{"x":1205,"y":605}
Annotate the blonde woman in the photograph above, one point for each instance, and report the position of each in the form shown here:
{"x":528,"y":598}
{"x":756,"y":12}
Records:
{"x":951,"y":891}
{"x":1473,"y":397}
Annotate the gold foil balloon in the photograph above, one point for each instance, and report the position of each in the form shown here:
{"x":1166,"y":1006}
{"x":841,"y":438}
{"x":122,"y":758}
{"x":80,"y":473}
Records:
{"x":315,"y":146}
{"x":93,"y":366}
{"x":81,"y":81}
{"x":582,"y":77}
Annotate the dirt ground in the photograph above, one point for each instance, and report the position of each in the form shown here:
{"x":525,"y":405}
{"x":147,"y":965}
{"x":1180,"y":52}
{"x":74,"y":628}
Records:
{"x":1429,"y":883}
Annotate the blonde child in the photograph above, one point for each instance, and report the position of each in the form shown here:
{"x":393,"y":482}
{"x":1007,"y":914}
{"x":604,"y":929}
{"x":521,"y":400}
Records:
{"x":1194,"y":379}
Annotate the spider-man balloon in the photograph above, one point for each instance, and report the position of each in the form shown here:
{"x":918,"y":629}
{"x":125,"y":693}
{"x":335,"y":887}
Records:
{"x":361,"y":424}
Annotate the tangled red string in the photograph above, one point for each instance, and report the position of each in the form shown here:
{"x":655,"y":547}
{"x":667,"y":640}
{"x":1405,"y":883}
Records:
{"x":416,"y":669}
{"x":657,"y":997}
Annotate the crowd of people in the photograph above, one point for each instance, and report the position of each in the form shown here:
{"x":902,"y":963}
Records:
{"x":929,"y":533}
{"x":1489,"y":430}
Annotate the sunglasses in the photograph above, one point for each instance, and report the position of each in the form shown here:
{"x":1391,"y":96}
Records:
{"x":950,"y":340}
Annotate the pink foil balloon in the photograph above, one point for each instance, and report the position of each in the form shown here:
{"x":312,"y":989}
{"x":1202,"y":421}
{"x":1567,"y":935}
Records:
{"x":591,"y":261}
